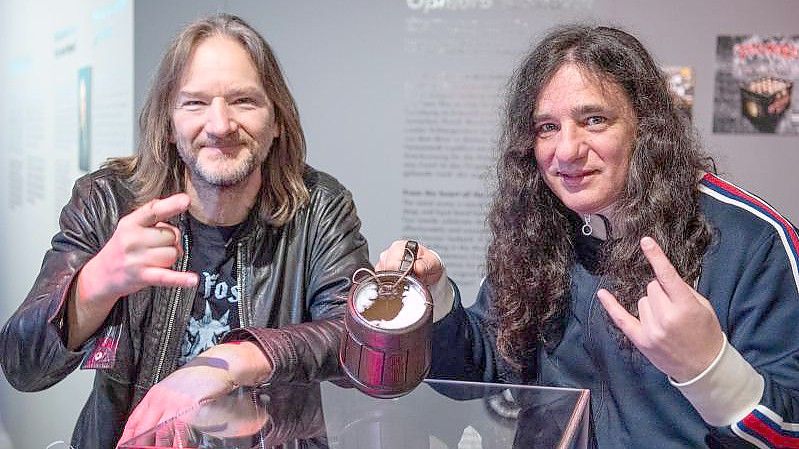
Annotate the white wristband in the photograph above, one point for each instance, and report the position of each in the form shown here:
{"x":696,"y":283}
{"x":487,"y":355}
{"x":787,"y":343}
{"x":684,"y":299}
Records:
{"x":727,"y":390}
{"x":442,"y":293}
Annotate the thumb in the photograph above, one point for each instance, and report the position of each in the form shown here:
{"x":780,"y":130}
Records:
{"x":428,"y":267}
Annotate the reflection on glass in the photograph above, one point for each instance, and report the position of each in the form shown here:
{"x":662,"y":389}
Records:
{"x":436,"y":415}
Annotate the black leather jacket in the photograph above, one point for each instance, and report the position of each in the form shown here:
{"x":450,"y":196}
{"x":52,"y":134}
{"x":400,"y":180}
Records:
{"x":294,"y":274}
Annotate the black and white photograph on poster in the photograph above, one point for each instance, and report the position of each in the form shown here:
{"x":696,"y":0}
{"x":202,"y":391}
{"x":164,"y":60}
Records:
{"x":755,"y":80}
{"x":681,"y":84}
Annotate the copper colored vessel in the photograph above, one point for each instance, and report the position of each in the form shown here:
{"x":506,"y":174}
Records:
{"x":385,"y":349}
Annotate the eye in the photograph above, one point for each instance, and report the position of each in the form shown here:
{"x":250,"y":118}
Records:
{"x":595,"y":120}
{"x":244,"y":101}
{"x":192,"y":105}
{"x":545,"y":129}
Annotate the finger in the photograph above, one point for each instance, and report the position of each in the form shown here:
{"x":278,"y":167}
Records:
{"x":157,"y":237}
{"x":146,"y":425}
{"x":163,"y":436}
{"x":160,"y":210}
{"x":424,"y":268}
{"x":623,"y":320}
{"x":181,"y":432}
{"x":657,"y":298}
{"x":173,"y":229}
{"x":666,"y":274}
{"x":162,"y":257}
{"x":646,"y":314}
{"x":428,"y":266}
{"x":396,"y":254}
{"x":178,"y":236}
{"x":391,"y":258}
{"x":132,"y":426}
{"x":145,"y":418}
{"x":126,"y":436}
{"x":651,"y":327}
{"x":382,"y":263}
{"x":164,"y":277}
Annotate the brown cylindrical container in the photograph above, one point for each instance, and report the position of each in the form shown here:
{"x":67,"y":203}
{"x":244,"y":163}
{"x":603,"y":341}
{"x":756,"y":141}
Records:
{"x":386,"y":362}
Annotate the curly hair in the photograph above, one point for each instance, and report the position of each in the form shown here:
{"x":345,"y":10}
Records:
{"x":532,"y":247}
{"x":156,"y":170}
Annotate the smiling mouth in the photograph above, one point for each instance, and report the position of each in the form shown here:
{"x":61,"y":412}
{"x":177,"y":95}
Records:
{"x":223,"y":147}
{"x":576,"y":175}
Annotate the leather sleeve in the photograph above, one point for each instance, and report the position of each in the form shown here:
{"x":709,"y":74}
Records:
{"x":32,"y":349}
{"x":335,"y":250}
{"x":306,"y":352}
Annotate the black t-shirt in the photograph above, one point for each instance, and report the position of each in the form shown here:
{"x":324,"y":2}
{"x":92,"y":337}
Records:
{"x":212,"y":256}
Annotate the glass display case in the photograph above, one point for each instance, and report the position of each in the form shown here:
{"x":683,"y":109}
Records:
{"x":436,"y":415}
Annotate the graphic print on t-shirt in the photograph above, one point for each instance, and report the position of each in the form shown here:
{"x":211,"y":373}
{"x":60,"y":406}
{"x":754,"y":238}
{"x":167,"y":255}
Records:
{"x":215,"y":308}
{"x":206,"y":330}
{"x":203,"y":333}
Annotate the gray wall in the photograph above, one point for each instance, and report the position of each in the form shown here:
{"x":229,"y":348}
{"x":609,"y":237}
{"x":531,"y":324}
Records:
{"x":350,"y":68}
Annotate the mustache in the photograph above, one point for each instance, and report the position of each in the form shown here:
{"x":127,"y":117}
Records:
{"x":221,"y":142}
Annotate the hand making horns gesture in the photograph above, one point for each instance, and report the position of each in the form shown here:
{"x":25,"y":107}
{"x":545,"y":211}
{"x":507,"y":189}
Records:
{"x":139,"y":254}
{"x":676,"y":329}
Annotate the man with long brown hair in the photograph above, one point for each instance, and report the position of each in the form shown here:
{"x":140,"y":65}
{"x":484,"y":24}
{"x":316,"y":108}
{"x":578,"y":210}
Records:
{"x":214,"y":249}
{"x":621,"y":264}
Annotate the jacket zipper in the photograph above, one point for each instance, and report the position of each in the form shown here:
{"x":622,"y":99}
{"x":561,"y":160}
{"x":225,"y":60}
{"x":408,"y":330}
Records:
{"x":602,"y":387}
{"x":173,"y":310}
{"x":244,"y":318}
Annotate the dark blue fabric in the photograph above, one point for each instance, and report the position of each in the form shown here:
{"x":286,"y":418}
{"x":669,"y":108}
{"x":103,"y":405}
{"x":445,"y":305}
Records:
{"x":747,"y":277}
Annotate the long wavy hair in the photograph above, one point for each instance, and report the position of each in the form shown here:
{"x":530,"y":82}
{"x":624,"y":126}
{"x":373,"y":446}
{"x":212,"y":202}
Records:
{"x":532,"y":248}
{"x":156,"y":170}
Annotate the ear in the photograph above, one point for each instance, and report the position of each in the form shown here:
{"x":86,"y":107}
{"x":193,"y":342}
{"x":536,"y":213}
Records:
{"x":277,"y":127}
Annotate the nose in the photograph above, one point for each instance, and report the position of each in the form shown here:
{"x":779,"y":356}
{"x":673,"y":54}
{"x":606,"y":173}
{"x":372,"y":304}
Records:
{"x":571,"y":144}
{"x":220,"y":119}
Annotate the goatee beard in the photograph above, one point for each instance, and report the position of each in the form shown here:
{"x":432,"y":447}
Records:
{"x":225,"y":178}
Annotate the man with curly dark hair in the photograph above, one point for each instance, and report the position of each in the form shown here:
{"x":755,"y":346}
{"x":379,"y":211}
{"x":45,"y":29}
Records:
{"x":620,"y":263}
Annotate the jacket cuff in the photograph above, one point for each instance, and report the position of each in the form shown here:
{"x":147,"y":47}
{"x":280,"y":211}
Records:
{"x":725,"y":391}
{"x":274,"y":343}
{"x":57,"y":315}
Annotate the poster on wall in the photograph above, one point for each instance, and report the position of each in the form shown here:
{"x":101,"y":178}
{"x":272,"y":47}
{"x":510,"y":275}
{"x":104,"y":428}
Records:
{"x":681,"y":84}
{"x":755,"y":85}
